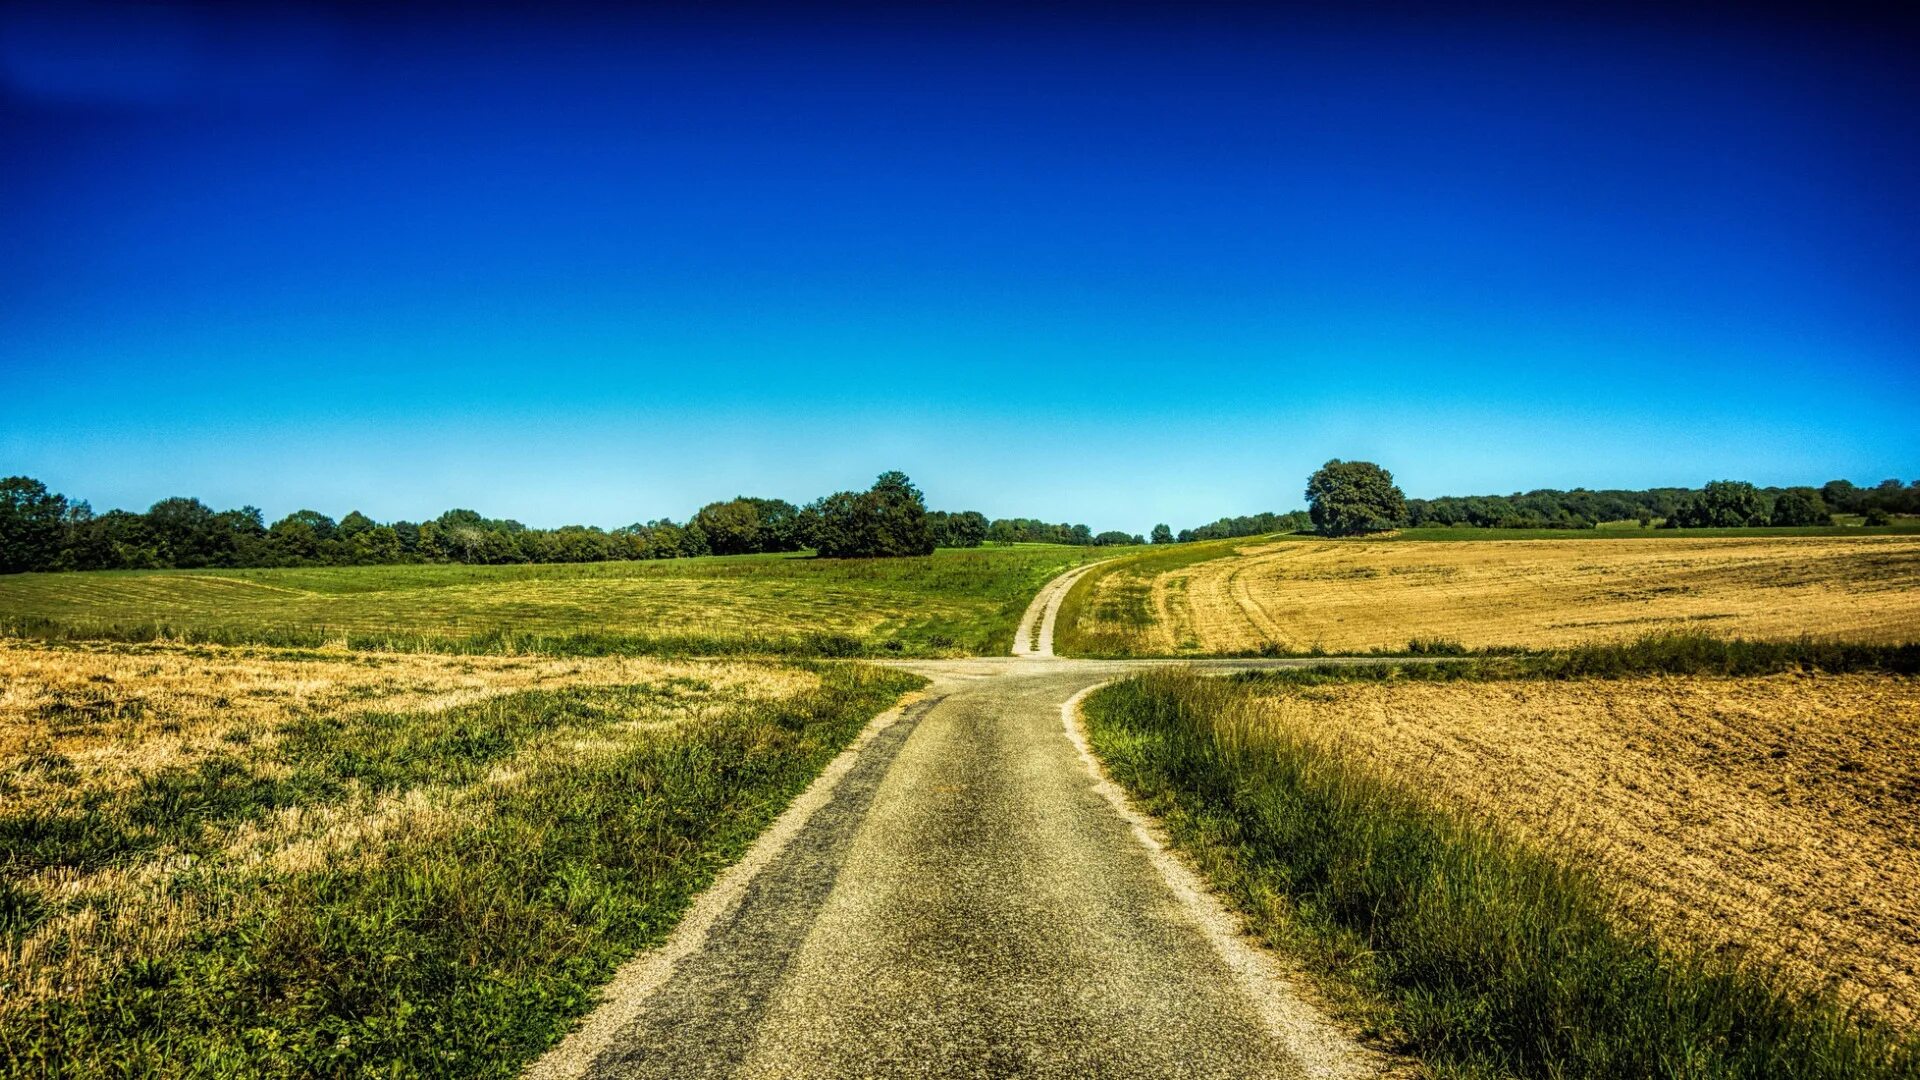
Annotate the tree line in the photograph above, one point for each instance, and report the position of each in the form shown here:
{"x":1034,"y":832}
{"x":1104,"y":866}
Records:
{"x":44,"y":530}
{"x":1348,"y":498}
{"x":1351,"y":497}
{"x":1035,"y":531}
{"x":1720,"y":504}
{"x":1226,"y":528}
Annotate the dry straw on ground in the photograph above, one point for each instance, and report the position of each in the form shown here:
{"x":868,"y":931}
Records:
{"x":117,"y":711}
{"x":1773,"y":816}
{"x":1358,"y":595}
{"x":78,"y":723}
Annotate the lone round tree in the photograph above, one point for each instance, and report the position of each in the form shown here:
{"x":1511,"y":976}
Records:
{"x":1347,"y":498}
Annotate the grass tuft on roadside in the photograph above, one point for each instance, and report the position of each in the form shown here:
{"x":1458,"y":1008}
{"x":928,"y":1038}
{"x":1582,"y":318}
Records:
{"x":1484,"y":955}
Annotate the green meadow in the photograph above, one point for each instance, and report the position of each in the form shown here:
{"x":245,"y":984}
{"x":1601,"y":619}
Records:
{"x":953,"y":602}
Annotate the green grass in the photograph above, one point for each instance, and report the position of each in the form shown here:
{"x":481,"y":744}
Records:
{"x":457,"y":950}
{"x":1674,"y":653}
{"x":954,"y":602}
{"x":1660,"y":653}
{"x":1128,"y":604}
{"x":1480,"y":954}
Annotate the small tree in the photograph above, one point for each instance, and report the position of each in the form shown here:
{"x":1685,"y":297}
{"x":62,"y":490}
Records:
{"x":967,"y":529}
{"x":1162,"y":534}
{"x":354,"y":524}
{"x":888,"y":519}
{"x":1842,"y":496}
{"x":30,"y":525}
{"x":295,"y":538}
{"x":1722,"y":504}
{"x":1348,"y":498}
{"x":187,"y":533}
{"x":779,"y":525}
{"x":899,"y":516}
{"x":1800,"y":506}
{"x":732,"y":527}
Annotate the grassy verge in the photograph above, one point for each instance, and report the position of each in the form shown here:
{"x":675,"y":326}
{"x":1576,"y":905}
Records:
{"x":1652,"y":654}
{"x":455,"y":883}
{"x":1483,"y":955}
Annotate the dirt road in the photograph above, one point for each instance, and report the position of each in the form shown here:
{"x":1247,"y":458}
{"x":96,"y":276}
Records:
{"x":960,"y":895}
{"x":1034,"y":638}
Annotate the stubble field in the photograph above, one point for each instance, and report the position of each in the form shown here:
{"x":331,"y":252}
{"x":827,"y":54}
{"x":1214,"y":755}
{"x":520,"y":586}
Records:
{"x":1508,"y":871}
{"x":1302,"y":595}
{"x":1774,"y":817}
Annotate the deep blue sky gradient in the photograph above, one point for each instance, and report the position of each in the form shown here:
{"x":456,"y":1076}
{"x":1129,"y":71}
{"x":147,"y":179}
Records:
{"x":1117,"y":265}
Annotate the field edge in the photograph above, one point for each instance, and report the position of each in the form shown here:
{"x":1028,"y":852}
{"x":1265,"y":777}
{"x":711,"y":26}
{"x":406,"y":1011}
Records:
{"x":1441,"y":936}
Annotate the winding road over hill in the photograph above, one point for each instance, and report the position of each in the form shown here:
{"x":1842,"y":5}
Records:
{"x":961,"y":894}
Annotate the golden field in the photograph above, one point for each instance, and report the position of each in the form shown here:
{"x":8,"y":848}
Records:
{"x":1775,"y":817}
{"x":1359,"y":595}
{"x":144,"y":787}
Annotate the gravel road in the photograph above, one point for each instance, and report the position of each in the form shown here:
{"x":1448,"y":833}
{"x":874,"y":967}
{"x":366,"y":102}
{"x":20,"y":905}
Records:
{"x":961,"y":894}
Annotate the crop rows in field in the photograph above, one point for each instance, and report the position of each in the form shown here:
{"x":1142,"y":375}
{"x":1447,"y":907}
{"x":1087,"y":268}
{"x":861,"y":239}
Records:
{"x":1770,"y":815}
{"x":1300,"y":595}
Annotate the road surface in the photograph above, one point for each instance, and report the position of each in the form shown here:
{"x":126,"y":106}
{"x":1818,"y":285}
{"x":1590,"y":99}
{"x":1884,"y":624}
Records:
{"x":961,"y":894}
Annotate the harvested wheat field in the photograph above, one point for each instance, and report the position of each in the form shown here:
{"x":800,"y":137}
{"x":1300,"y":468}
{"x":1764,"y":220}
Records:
{"x":1353,"y":596}
{"x":1775,"y":816}
{"x":148,"y":791}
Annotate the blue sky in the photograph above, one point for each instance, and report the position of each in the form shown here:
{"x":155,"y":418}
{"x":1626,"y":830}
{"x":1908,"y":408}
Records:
{"x":1116,"y":265}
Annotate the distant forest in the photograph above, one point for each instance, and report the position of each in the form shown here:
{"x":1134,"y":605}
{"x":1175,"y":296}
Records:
{"x":1246,"y":525}
{"x":43,"y":530}
{"x":1721,"y":504}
